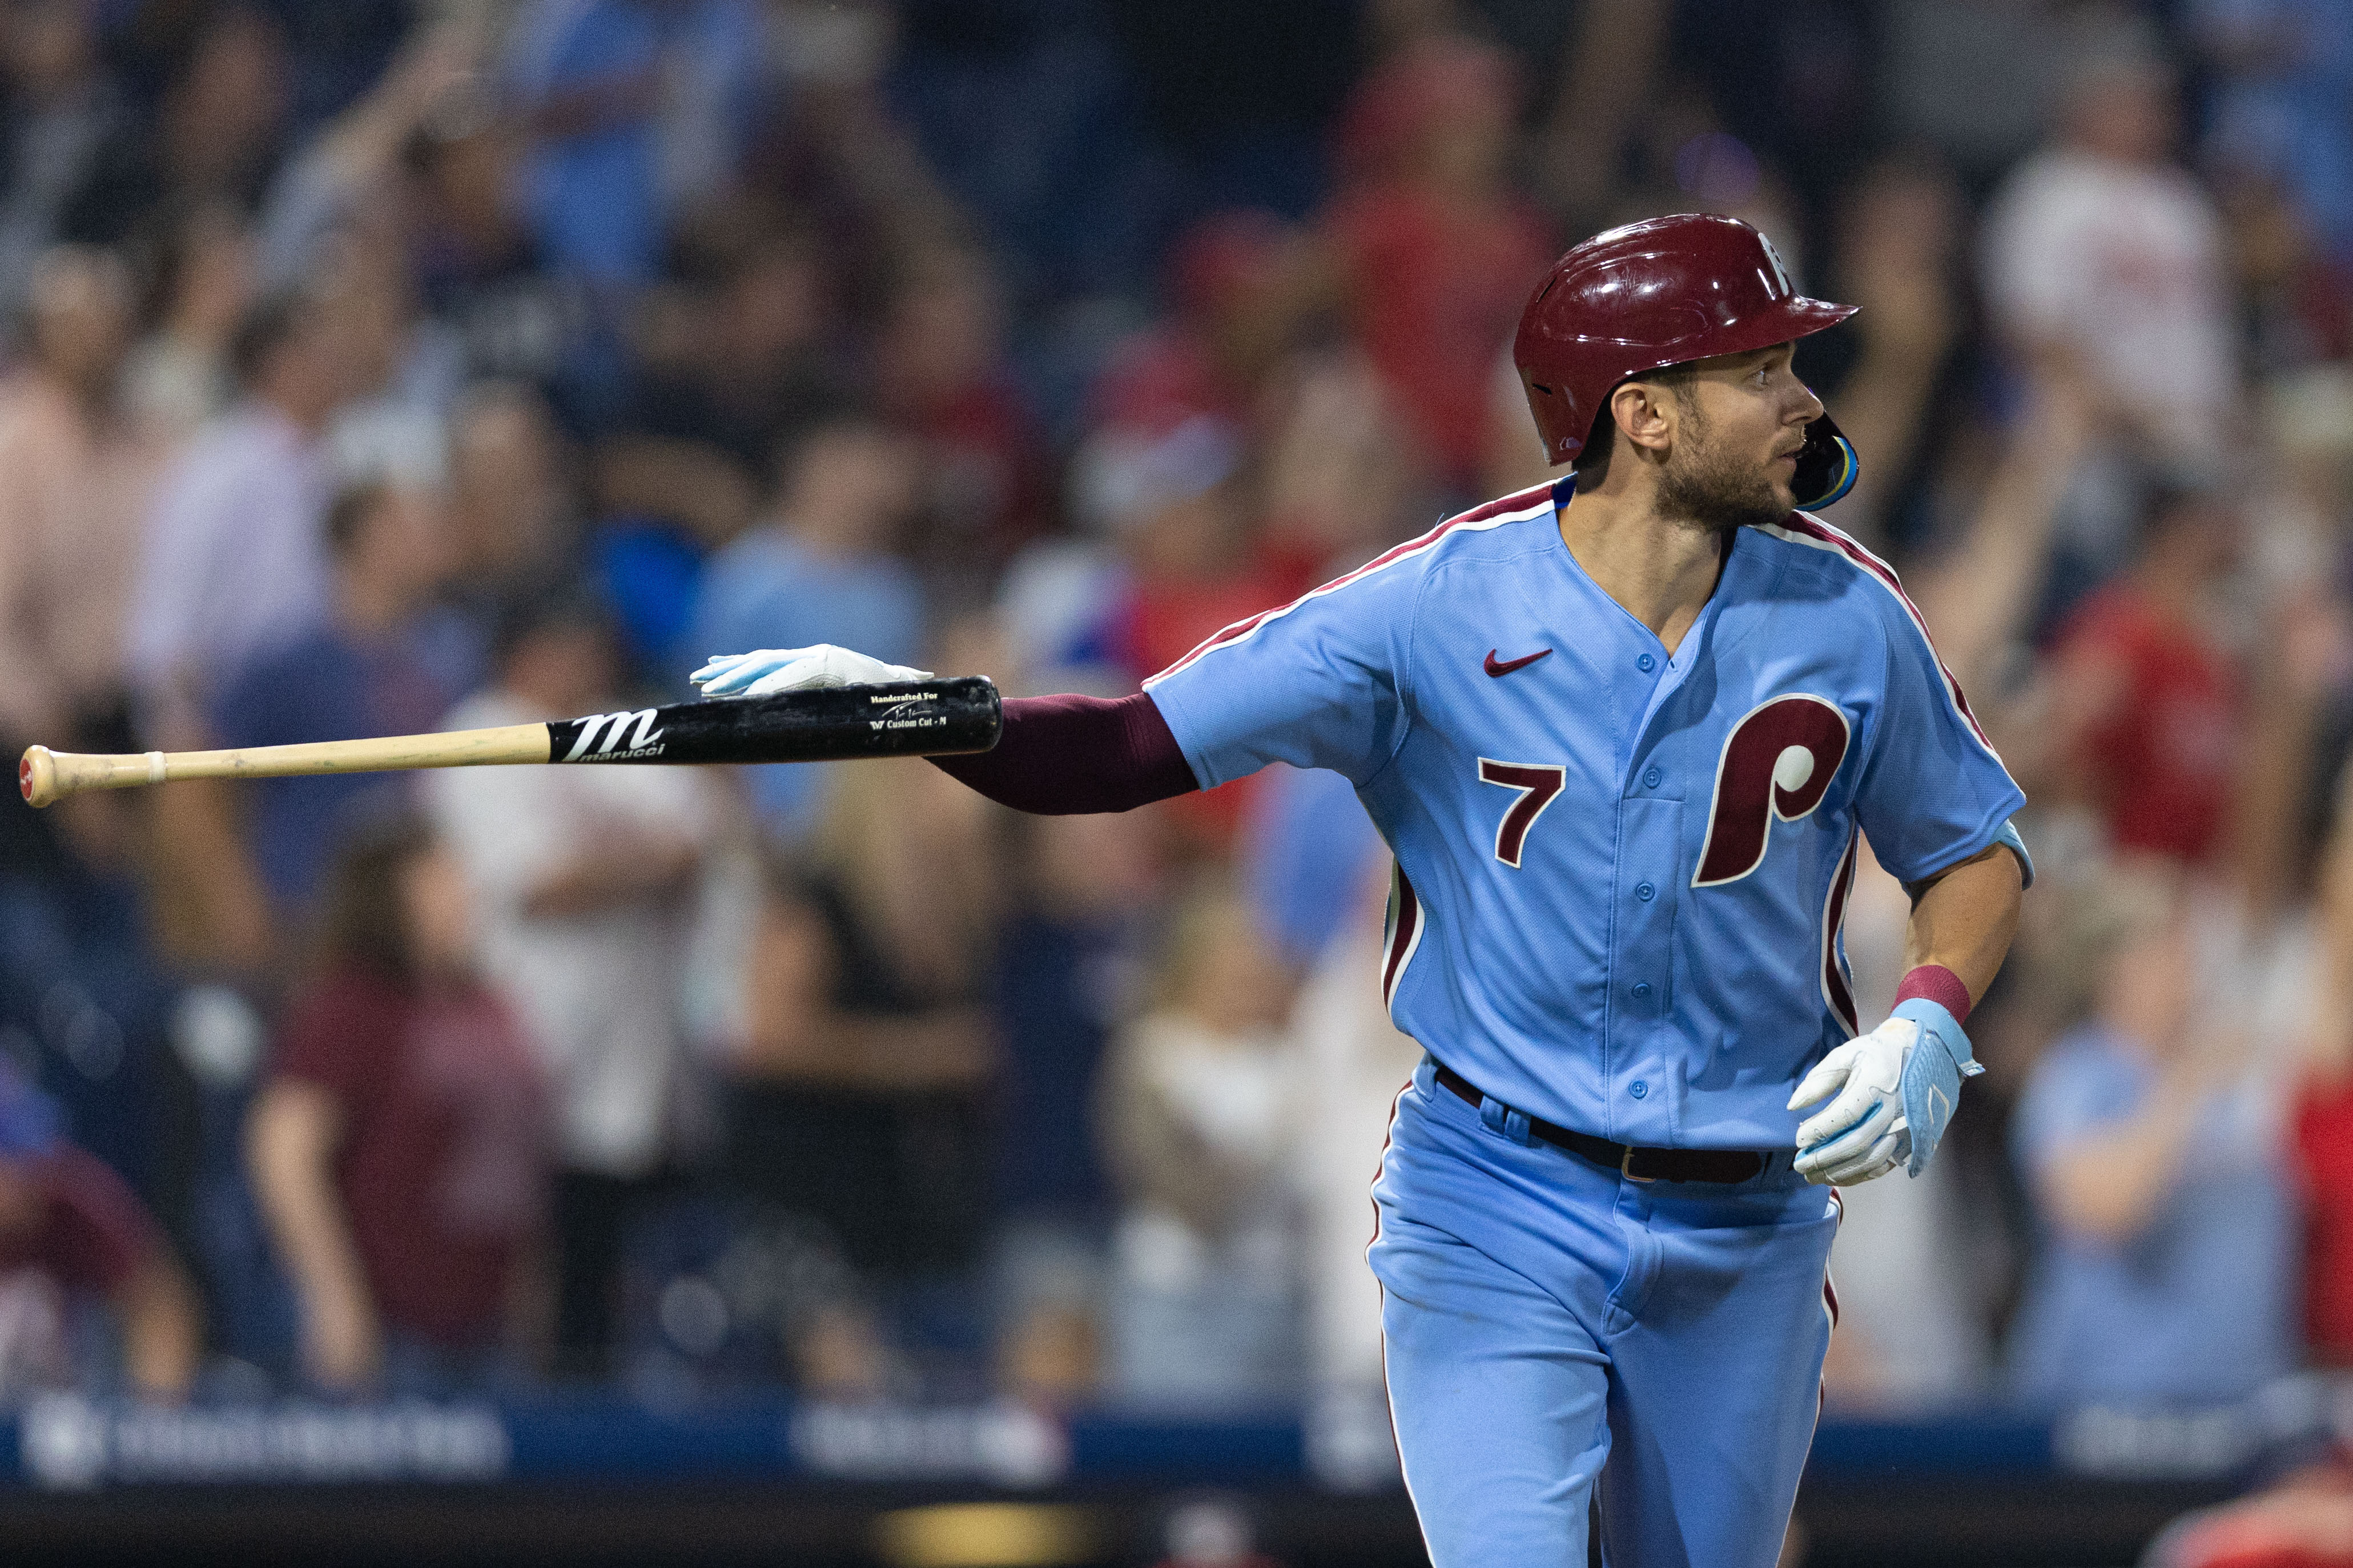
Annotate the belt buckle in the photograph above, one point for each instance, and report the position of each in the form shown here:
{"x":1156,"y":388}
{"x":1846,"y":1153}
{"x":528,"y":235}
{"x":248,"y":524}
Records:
{"x":1626,"y":1166}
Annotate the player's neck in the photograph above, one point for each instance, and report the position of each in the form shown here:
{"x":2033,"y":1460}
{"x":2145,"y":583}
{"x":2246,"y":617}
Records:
{"x":1659,"y":571}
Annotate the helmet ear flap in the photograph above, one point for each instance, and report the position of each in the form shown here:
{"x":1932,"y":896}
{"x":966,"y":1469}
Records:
{"x":1827,"y":466}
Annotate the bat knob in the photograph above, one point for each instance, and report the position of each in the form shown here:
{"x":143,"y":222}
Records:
{"x":37,"y":776}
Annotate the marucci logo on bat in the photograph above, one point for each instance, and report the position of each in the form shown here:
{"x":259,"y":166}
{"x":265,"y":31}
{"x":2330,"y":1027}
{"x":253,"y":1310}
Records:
{"x":611,"y":727}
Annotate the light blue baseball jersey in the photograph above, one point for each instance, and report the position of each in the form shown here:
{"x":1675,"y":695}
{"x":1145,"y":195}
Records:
{"x":1620,"y":874}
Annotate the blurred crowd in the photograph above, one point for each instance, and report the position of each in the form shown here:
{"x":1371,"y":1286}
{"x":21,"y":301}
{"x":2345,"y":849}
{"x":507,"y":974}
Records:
{"x":403,"y":365}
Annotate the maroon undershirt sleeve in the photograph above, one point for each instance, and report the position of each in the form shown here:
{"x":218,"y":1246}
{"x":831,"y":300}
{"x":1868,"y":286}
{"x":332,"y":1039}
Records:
{"x":1062,"y":755}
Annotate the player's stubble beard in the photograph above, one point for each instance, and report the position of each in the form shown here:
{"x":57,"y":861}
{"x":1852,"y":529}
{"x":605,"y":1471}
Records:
{"x":1705,"y":488}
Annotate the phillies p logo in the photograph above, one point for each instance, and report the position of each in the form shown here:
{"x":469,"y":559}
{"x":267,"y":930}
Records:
{"x":1778,"y":761}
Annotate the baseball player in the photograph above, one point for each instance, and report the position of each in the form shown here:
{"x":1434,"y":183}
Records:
{"x":1624,"y":734}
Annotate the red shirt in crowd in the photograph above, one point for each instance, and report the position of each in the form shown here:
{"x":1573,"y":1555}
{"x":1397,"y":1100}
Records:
{"x":81,"y":1225}
{"x":990,"y":474}
{"x":2324,"y":1149}
{"x":1157,"y":380}
{"x":2157,"y":753}
{"x":444,"y":1153}
{"x":1436,"y":294}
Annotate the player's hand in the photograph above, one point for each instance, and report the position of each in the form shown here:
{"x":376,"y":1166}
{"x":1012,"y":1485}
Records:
{"x":768,"y":670}
{"x":1895,"y":1090}
{"x":1862,"y":1134}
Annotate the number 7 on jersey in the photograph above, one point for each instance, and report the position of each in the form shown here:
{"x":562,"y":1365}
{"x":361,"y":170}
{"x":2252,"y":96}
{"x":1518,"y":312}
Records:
{"x":1536,"y":784}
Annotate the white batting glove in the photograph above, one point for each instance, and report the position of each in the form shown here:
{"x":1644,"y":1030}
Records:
{"x":768,"y":670}
{"x":1862,"y":1134}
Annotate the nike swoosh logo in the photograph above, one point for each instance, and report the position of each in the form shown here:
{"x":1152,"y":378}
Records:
{"x":1510,"y":665}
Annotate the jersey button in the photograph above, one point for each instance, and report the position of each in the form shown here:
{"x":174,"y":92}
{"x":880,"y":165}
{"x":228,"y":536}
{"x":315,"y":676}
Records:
{"x":1646,"y":663}
{"x":1641,"y":991}
{"x":1650,"y":778}
{"x":1638,"y":1089}
{"x":1645,"y":891}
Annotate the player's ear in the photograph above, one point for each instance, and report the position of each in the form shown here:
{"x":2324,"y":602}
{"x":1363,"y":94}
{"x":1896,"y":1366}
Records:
{"x":1645,"y":413}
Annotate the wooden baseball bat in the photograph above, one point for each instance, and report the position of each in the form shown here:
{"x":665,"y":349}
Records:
{"x":902,"y":719}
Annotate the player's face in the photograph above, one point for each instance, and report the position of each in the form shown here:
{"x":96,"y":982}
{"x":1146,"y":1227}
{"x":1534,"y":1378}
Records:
{"x":1740,"y":422}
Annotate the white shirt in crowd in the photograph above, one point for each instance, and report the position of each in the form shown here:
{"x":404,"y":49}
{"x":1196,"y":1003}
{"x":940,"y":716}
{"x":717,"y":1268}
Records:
{"x":2124,"y":263}
{"x":600,"y":991}
{"x":1238,"y":1100}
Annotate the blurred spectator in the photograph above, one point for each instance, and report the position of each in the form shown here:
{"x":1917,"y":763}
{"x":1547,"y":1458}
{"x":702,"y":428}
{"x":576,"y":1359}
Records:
{"x":2150,"y":1141}
{"x":358,"y":669}
{"x":2323,"y":1126}
{"x":639,"y":106}
{"x":1898,"y":257}
{"x":859,"y":1086}
{"x":1181,"y":394}
{"x":1339,"y":481}
{"x":214,"y":138}
{"x":2147,"y":716}
{"x":398,"y":1147}
{"x":819,"y":569}
{"x":939,"y":372}
{"x":1223,"y":329}
{"x":83,"y":991}
{"x":62,"y":111}
{"x":2101,"y":247}
{"x":1165,"y":576}
{"x":580,"y":876}
{"x":728,"y":362}
{"x":1187,"y":542}
{"x":233,"y":558}
{"x":1070,"y":962}
{"x":179,"y":376}
{"x":1306,"y":850}
{"x":2283,"y":72}
{"x":75,"y":478}
{"x":1357,"y":1061}
{"x":1435,"y":255}
{"x":1981,"y":588}
{"x":1200,"y":1109}
{"x":68,"y":1224}
{"x":346,"y":176}
{"x":2307,"y":421}
{"x":513,"y":515}
{"x":480,"y":272}
{"x":731,"y":360}
{"x":1193,"y":564}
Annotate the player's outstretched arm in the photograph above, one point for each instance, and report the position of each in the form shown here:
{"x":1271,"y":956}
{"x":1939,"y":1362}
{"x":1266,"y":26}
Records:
{"x":1058,"y":755}
{"x":1892,"y":1092}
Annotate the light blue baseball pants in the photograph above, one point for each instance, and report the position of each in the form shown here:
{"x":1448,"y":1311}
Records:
{"x":1558,"y":1334}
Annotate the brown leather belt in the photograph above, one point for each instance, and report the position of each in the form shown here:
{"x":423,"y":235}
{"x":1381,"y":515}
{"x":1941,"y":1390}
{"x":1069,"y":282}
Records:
{"x":1724,"y":1165}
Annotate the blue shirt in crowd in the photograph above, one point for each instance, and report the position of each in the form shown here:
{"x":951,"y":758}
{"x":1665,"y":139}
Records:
{"x":600,"y":197}
{"x":324,"y":685}
{"x":1307,"y":850}
{"x":2198,"y":1305}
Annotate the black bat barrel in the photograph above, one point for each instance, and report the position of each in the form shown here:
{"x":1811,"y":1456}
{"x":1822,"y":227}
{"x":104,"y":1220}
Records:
{"x":838,"y":723}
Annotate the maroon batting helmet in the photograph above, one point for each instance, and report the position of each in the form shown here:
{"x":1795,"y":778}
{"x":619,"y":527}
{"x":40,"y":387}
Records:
{"x":1642,"y":298}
